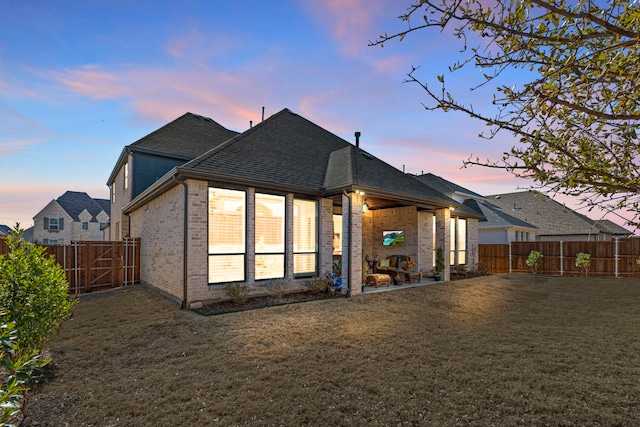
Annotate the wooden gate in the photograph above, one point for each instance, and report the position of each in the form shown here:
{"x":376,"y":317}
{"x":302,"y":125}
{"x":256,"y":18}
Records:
{"x":94,"y":265}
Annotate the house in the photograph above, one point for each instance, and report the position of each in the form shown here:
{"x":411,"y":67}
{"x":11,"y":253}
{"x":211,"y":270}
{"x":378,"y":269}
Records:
{"x":554,"y":221}
{"x":72,"y":216}
{"x":495,"y":225}
{"x":148,"y":159}
{"x":278,"y":200}
{"x":4,"y":230}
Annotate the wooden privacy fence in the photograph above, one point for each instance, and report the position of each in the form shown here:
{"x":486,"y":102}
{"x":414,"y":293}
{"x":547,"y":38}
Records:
{"x":93,"y":265}
{"x":616,"y":258}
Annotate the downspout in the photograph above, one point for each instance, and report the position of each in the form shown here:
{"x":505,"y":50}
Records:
{"x":185,"y":224}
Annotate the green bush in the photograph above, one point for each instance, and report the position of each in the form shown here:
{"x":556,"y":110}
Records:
{"x":19,"y":368}
{"x":534,"y":261}
{"x":237,"y":292}
{"x":279,"y":287}
{"x":583,"y":261}
{"x":34,"y":292}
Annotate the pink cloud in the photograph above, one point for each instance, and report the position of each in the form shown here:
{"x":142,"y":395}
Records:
{"x":350,"y":21}
{"x":8,"y":148}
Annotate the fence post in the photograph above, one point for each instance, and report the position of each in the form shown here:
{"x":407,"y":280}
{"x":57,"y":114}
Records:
{"x":561,"y":260}
{"x":75,"y":264}
{"x":616,"y":257}
{"x":133,"y":262}
{"x":510,"y":268}
{"x":126,"y":259}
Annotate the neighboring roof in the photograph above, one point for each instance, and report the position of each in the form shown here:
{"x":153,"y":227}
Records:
{"x":288,"y":150}
{"x":496,"y":217}
{"x":185,"y":138}
{"x":74,"y":202}
{"x":4,"y":230}
{"x":551,"y":217}
{"x":606,"y":226}
{"x":447,"y":187}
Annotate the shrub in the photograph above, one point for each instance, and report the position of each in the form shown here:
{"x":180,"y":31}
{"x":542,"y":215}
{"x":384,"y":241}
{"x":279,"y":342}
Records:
{"x":319,"y":285}
{"x":460,"y":269}
{"x":19,"y":368}
{"x":482,"y":268}
{"x":237,"y":292}
{"x":439,"y":267}
{"x":279,"y":287}
{"x":34,"y":292}
{"x":583,"y":261}
{"x":534,"y":261}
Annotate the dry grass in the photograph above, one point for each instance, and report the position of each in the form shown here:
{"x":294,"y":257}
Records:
{"x":496,"y":350}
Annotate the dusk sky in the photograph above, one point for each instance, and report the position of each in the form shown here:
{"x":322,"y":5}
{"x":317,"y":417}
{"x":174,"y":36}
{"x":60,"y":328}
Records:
{"x":80,"y":80}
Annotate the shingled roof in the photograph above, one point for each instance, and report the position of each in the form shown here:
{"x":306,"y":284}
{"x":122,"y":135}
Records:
{"x":187,"y":136}
{"x":74,"y":202}
{"x":290,"y":151}
{"x":447,"y":187}
{"x":551,"y":217}
{"x":495,"y":217}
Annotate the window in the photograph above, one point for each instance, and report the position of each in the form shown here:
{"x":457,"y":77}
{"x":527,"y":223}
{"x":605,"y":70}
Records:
{"x":85,"y":226}
{"x":126,"y":176}
{"x":458,"y":250}
{"x":102,"y":224}
{"x":53,"y":224}
{"x":305,"y":237}
{"x":269,"y":228}
{"x":113,"y":192}
{"x":227,"y":235}
{"x":337,"y":234}
{"x":433,"y":241}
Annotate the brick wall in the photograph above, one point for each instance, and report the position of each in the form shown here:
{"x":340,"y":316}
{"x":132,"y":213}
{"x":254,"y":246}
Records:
{"x":159,"y":225}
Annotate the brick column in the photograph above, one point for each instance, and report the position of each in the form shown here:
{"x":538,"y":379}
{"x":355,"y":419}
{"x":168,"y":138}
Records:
{"x":325,"y":236}
{"x":251,"y":236}
{"x":472,"y":243}
{"x":352,"y":244}
{"x":288,"y":237}
{"x":443,"y":239}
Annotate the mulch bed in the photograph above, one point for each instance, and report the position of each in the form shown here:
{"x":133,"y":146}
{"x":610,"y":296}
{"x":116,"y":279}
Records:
{"x":253,"y":303}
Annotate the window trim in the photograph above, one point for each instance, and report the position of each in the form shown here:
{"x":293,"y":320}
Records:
{"x":316,"y":251}
{"x":245,"y":237}
{"x":256,"y":254}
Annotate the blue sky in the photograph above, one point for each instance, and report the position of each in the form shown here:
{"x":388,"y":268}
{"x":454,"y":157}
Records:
{"x":80,"y":80}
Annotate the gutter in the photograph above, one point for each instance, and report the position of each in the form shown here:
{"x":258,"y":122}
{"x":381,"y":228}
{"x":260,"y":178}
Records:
{"x":185,"y":241}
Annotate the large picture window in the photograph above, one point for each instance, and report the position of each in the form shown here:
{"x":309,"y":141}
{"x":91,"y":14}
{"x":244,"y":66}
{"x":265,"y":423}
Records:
{"x":227,"y":235}
{"x":458,"y":241}
{"x":270,"y":224}
{"x":305,"y":237}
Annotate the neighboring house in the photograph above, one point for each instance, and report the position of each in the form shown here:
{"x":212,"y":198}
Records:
{"x":72,"y":216}
{"x":469,"y":208}
{"x":278,"y":200}
{"x":148,"y":159}
{"x":555,"y":222}
{"x":4,"y":230}
{"x":495,"y":226}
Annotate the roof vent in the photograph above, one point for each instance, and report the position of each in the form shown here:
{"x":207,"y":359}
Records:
{"x":357,"y":134}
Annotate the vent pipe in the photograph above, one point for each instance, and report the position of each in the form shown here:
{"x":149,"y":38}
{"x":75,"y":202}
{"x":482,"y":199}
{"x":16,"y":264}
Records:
{"x":263,"y":113}
{"x":357,"y":134}
{"x":250,"y":124}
